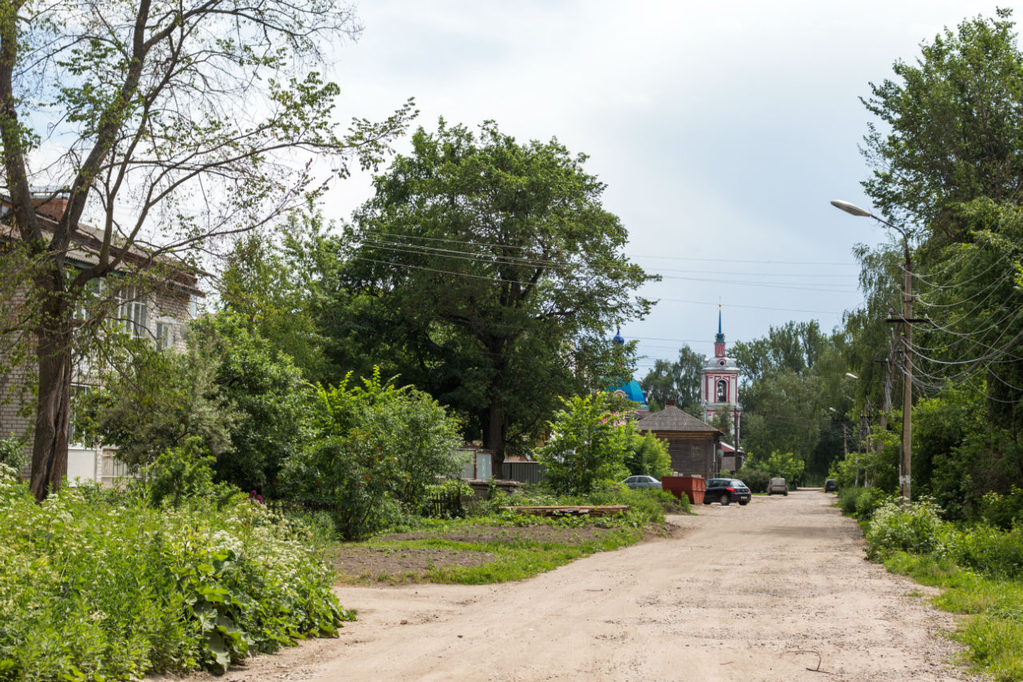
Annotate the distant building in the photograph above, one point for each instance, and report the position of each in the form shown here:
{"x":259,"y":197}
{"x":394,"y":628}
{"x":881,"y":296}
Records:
{"x":693,"y":445}
{"x":719,"y":386}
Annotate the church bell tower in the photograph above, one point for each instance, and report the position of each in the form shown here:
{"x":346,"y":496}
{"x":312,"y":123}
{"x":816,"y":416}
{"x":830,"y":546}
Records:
{"x":719,"y":386}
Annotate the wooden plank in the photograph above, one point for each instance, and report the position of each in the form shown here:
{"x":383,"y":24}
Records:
{"x":574,"y":510}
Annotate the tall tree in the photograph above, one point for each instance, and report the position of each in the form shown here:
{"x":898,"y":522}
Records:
{"x":678,"y":381}
{"x":953,"y":127}
{"x":275,"y":281}
{"x":949,"y":167}
{"x":489,"y":272}
{"x":190,"y":117}
{"x":792,"y":378}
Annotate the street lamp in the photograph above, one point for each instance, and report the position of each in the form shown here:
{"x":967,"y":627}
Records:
{"x":907,"y":331}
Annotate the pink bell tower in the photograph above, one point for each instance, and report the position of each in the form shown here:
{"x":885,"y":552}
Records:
{"x":719,"y":385}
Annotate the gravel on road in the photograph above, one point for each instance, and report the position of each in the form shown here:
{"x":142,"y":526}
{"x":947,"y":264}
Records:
{"x":776,"y":590}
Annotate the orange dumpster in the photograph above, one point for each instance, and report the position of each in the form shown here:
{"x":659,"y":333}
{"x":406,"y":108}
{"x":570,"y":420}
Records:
{"x":692,"y":486}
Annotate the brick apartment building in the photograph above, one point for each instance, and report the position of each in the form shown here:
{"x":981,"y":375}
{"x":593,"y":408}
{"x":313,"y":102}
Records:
{"x":159,"y":313}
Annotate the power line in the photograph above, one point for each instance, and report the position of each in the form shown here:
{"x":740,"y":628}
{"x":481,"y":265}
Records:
{"x":734,"y":260}
{"x":750,"y":307}
{"x":449,"y":240}
{"x":512,"y":260}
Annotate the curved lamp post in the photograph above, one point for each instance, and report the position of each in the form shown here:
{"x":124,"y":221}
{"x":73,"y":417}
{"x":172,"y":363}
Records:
{"x":905,"y":463}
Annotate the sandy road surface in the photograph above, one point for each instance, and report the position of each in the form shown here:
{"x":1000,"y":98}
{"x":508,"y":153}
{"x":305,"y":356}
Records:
{"x":747,"y":593}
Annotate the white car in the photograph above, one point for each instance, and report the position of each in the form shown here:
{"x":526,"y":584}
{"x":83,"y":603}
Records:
{"x":642,"y":482}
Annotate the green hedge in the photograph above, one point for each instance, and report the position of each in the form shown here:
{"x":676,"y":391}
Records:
{"x":94,"y":587}
{"x":918,"y":530}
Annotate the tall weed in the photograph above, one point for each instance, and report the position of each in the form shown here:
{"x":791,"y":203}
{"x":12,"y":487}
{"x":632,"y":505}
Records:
{"x":92,"y":589}
{"x":914,"y":528}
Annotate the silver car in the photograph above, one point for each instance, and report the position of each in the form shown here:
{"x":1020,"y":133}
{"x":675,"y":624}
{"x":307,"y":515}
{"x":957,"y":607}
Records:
{"x":778,"y":485}
{"x":635,"y":482}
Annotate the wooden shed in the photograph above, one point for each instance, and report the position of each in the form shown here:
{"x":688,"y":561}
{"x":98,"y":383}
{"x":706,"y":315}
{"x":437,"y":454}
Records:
{"x":692,"y":444}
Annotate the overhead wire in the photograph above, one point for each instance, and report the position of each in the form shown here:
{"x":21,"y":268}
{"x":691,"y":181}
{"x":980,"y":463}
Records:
{"x":470,"y":257}
{"x":449,"y":240}
{"x":512,"y":260}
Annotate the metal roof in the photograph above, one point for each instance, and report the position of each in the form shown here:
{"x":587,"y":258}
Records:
{"x":673,"y":419}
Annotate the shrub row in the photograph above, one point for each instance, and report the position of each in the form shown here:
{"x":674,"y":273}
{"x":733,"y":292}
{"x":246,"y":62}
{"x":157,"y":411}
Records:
{"x":861,"y":502}
{"x":95,"y":588}
{"x":918,"y":529}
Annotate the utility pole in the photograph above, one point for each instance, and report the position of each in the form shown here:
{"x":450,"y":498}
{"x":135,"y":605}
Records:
{"x":906,"y":461}
{"x":907,"y":377}
{"x":905,"y":347}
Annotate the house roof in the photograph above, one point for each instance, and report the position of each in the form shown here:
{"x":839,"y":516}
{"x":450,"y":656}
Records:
{"x":673,"y":419}
{"x":86,"y":242}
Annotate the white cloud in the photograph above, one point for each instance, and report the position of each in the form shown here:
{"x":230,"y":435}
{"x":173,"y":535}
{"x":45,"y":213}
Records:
{"x":720,"y":127}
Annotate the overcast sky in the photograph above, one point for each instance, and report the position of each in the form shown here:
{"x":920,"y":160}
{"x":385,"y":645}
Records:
{"x":722,"y":130}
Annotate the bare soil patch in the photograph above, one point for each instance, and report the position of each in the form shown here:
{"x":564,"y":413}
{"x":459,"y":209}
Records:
{"x":389,"y":558}
{"x":404,"y":564}
{"x":505,"y":534}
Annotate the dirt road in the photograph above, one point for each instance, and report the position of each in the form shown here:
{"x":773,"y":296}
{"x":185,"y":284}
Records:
{"x":747,"y":593}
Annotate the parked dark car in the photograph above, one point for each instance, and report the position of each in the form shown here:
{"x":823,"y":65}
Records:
{"x":725,"y":490}
{"x":635,"y":482}
{"x":830,"y":486}
{"x":778,"y":485}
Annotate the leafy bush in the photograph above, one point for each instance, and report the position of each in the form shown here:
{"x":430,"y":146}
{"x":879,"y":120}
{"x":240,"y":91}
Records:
{"x":92,"y":590}
{"x":185,"y":473}
{"x":987,"y":550}
{"x":272,"y":400}
{"x":154,"y":401}
{"x":647,"y":455}
{"x":13,"y":453}
{"x":915,"y":528}
{"x":247,"y":404}
{"x":861,"y":502}
{"x":755,"y":479}
{"x":869,"y":500}
{"x":588,"y":444}
{"x":1003,"y":511}
{"x":847,"y":498}
{"x":380,"y":448}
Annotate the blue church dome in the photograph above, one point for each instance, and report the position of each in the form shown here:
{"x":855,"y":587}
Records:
{"x":631,"y":389}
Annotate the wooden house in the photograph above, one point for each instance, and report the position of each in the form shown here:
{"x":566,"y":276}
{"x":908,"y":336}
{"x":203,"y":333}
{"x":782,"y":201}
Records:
{"x":694,"y":445}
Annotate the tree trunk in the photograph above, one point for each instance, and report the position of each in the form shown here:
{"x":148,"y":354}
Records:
{"x":53,"y":406}
{"x":493,"y":434}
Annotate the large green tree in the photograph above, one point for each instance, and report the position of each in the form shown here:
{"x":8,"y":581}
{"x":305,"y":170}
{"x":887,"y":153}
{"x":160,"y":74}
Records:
{"x":488,"y":273}
{"x":678,"y":381}
{"x":183,"y":121}
{"x":952,"y":128}
{"x":947,"y":167}
{"x":793,"y":385}
{"x":275,"y":282}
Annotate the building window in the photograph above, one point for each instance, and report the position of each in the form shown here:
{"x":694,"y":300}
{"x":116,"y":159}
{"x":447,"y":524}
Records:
{"x":164,"y":335}
{"x":90,"y":295}
{"x":722,"y":391}
{"x":78,"y":394}
{"x":132,"y":312}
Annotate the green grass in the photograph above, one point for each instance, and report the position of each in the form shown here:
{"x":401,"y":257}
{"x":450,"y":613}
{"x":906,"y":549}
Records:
{"x":512,"y":559}
{"x":993,"y":630}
